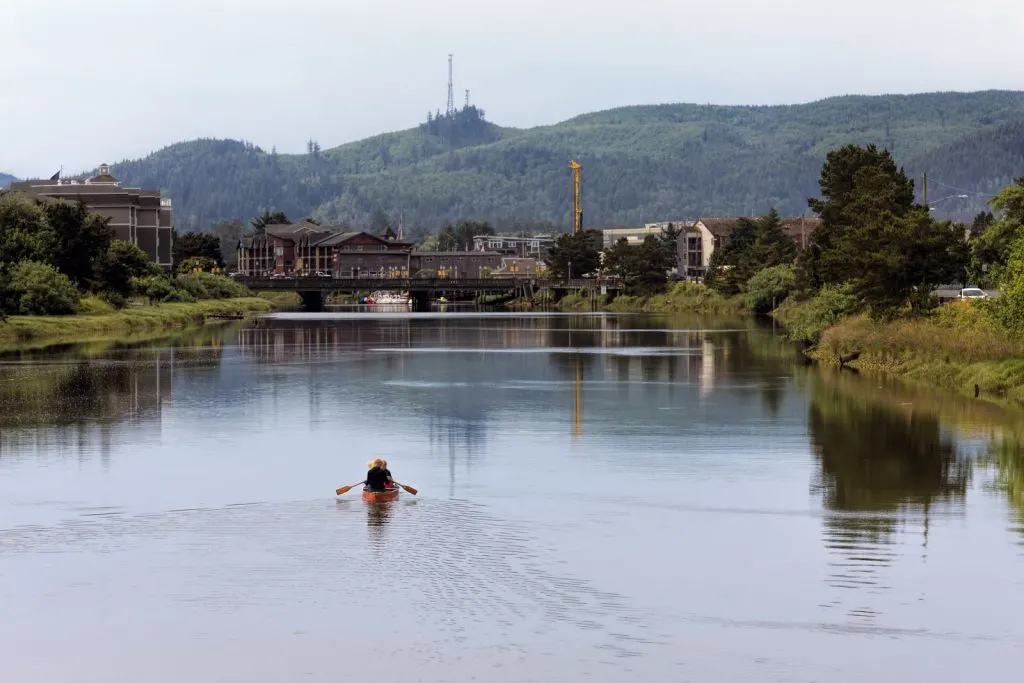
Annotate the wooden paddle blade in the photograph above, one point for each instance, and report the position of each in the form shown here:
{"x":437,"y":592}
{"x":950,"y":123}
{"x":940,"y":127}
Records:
{"x":408,"y":488}
{"x":343,"y":490}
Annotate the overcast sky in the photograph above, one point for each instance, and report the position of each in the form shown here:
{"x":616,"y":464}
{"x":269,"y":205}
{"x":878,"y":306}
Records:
{"x":88,"y":81}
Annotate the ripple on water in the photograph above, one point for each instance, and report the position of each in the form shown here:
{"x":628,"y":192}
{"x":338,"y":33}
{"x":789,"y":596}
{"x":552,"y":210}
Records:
{"x":463,"y":577}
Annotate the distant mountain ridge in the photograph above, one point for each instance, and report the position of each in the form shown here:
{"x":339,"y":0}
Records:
{"x":6,"y":179}
{"x":640,"y":163}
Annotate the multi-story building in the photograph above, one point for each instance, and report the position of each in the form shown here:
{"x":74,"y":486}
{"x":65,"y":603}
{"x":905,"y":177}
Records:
{"x":700,"y":238}
{"x":523,"y":247}
{"x":304,"y":249}
{"x":139,"y":216}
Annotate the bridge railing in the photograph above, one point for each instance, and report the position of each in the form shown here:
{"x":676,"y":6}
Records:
{"x":414,"y":283}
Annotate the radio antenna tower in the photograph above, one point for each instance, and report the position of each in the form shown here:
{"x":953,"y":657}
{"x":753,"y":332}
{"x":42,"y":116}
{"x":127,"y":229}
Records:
{"x":467,"y":98}
{"x":451,"y":89}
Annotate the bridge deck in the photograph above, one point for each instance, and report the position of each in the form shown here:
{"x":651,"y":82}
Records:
{"x":368,"y":284}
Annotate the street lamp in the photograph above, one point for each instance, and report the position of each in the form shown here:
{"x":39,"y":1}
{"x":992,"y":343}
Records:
{"x":942,"y":199}
{"x":570,"y":272}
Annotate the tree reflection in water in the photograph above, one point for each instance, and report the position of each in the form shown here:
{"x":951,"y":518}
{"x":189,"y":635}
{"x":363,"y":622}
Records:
{"x":880,"y":471}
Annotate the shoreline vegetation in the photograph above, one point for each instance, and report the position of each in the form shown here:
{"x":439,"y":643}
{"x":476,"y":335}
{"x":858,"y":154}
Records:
{"x":100,"y":320}
{"x":859,"y":294}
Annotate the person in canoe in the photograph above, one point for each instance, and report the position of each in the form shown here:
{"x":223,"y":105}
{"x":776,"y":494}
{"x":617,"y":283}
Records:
{"x":391,"y":482}
{"x":378,"y":478}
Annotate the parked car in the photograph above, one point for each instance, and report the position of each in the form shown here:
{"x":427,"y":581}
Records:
{"x":972,"y":293}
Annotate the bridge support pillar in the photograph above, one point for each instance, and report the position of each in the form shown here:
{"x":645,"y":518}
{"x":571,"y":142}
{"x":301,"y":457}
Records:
{"x":312,"y":302}
{"x":420,"y":300}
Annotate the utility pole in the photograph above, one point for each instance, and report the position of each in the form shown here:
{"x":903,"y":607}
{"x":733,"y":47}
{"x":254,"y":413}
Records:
{"x":924,"y":188}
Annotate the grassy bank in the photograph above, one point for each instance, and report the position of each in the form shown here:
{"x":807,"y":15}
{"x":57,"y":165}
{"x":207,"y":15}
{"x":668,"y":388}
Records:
{"x":682,"y":297}
{"x":281,"y":299}
{"x":958,"y":347}
{"x":100,"y":320}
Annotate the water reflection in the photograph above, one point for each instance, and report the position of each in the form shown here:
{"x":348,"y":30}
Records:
{"x":377,"y":515}
{"x":66,"y":397}
{"x":542,"y":446}
{"x":882,"y":471}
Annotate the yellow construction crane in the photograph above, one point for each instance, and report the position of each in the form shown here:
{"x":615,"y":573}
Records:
{"x":577,"y":210}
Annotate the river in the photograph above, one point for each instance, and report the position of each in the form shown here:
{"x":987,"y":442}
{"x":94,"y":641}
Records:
{"x":601,"y":498}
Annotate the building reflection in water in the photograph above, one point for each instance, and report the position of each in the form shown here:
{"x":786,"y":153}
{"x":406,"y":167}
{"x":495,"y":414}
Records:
{"x":466,"y":366}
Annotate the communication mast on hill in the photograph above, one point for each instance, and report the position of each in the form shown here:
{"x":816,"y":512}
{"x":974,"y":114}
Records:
{"x":467,"y":98}
{"x":451,"y":89}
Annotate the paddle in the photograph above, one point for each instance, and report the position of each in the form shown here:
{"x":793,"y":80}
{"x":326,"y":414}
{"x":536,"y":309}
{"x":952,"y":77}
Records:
{"x":346,"y":489}
{"x":408,"y":488}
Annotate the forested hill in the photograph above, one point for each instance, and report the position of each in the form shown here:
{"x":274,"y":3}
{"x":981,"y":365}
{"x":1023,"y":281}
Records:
{"x":640,"y":164}
{"x":6,"y":179}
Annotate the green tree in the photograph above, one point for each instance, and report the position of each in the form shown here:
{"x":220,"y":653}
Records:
{"x":260,"y":223}
{"x":81,"y":238}
{"x":229,"y":233}
{"x":751,"y":246}
{"x":1009,"y":307}
{"x":980,"y":223}
{"x":670,"y":236}
{"x":1010,"y":201}
{"x":197,"y":245}
{"x":38,"y":289}
{"x":459,"y":236}
{"x":860,"y":187}
{"x":25,"y":233}
{"x":123,"y":262}
{"x":768,"y":288}
{"x":728,"y":264}
{"x":991,"y":249}
{"x":643,"y":268}
{"x":579,"y":252}
{"x":874,"y":237}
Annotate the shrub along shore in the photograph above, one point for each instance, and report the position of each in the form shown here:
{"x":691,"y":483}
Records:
{"x":859,"y":295}
{"x":98,"y":319}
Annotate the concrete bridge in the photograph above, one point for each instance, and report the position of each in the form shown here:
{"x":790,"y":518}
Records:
{"x":421,"y":290}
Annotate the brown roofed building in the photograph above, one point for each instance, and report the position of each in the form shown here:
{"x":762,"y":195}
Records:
{"x":306,"y":250}
{"x":139,"y":216}
{"x":716,"y":231}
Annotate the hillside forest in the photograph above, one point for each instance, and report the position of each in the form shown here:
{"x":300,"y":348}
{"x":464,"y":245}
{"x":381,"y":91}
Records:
{"x":640,"y":164}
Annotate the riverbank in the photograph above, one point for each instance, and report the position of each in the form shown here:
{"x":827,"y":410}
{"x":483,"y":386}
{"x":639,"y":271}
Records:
{"x":101,"y":320}
{"x":682,"y":297}
{"x":957,"y":347}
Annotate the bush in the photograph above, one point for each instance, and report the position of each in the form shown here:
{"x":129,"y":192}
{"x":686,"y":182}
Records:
{"x":768,"y":288}
{"x":193,"y":263}
{"x":1009,"y":308}
{"x":38,"y":289}
{"x":119,"y":266}
{"x":94,"y":305}
{"x":806,"y":320}
{"x":210,"y":286}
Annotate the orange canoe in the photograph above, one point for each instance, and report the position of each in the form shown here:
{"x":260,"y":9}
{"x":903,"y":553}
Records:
{"x":379,"y":496}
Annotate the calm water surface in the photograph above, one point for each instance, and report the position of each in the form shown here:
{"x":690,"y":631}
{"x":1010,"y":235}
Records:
{"x":602,"y":498}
